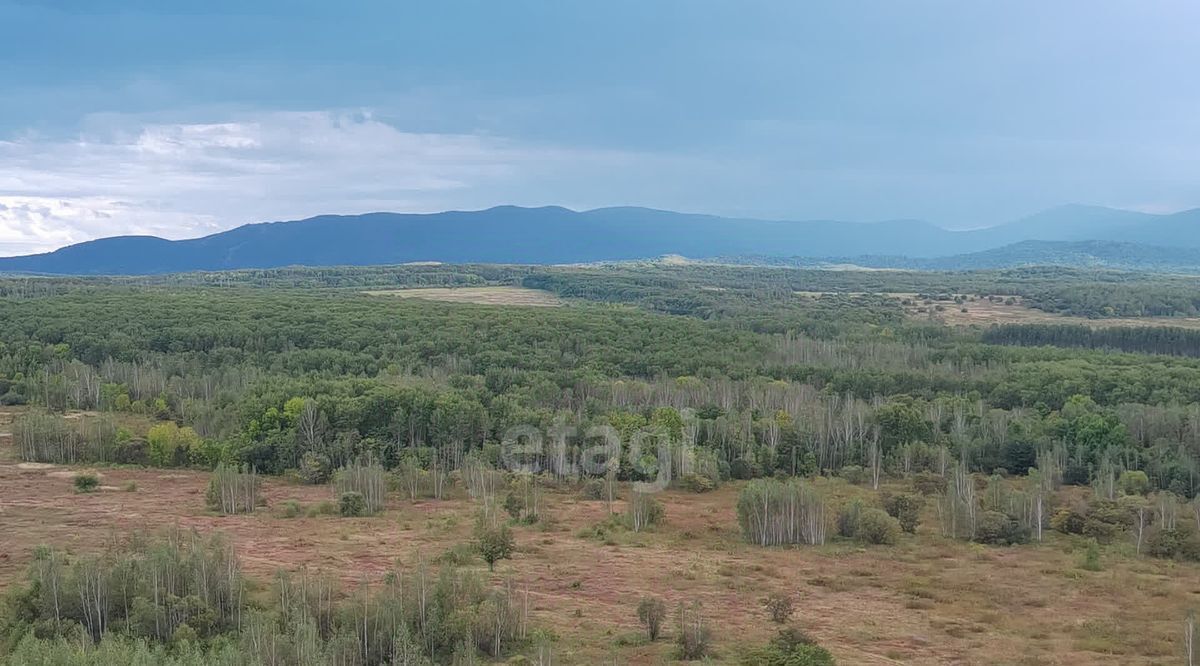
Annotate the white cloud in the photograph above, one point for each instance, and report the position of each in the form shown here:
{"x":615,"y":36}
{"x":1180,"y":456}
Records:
{"x":180,"y":180}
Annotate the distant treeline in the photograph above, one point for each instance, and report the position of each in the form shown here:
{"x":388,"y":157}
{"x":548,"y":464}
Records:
{"x":1169,"y":340}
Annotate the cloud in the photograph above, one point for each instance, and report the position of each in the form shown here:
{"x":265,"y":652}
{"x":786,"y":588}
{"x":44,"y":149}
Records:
{"x":180,"y":180}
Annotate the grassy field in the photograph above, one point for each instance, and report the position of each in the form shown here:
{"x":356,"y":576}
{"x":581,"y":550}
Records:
{"x":982,"y":312}
{"x":478,"y":295}
{"x":928,"y":600}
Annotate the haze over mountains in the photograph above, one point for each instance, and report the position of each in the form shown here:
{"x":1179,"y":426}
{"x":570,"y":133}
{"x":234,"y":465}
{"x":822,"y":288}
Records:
{"x":1068,"y":235}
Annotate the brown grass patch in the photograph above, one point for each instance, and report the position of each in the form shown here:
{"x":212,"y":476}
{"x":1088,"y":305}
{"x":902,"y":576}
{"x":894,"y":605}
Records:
{"x":478,"y":295}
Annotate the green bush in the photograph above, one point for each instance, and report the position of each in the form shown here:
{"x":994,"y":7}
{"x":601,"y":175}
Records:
{"x":875,"y":526}
{"x":322,"y":508}
{"x":315,"y":468}
{"x":352,"y":505}
{"x":853,"y":474}
{"x":86,"y":482}
{"x":1174,"y":544}
{"x":697,"y":483}
{"x":792,"y":647}
{"x":1134,"y":482}
{"x":999,"y":529}
{"x":905,"y":508}
{"x":1067,"y":521}
{"x":928,"y":483}
{"x":847,"y":519}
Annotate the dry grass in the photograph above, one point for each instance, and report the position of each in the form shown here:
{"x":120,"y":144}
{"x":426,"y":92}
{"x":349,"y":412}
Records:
{"x":478,"y":295}
{"x":925,"y":601}
{"x":982,"y":312}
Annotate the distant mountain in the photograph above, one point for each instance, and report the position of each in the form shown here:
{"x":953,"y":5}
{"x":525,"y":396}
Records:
{"x":550,"y":235}
{"x":1077,"y":254}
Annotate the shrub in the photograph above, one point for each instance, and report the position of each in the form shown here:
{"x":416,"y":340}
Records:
{"x":1134,"y":482}
{"x":315,"y":468}
{"x":291,"y":509}
{"x":999,"y":529}
{"x":876,"y":527}
{"x":86,"y":482}
{"x":1091,"y":557}
{"x":1105,"y":520}
{"x":322,"y":508}
{"x":651,"y":612}
{"x":352,"y":505}
{"x":847,"y":518}
{"x":697,"y":483}
{"x":130,"y":487}
{"x":853,"y":474}
{"x":905,"y":508}
{"x":594,"y":489}
{"x":928,"y":483}
{"x":1174,"y":544}
{"x":779,"y":606}
{"x":792,"y":647}
{"x":494,"y":544}
{"x":1067,"y":521}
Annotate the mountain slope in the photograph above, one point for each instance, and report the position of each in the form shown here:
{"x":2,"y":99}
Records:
{"x":505,"y":234}
{"x":508,"y":234}
{"x":1077,"y":254}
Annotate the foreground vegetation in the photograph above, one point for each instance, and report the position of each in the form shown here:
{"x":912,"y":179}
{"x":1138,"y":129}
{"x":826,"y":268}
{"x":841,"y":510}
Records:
{"x":774,"y":380}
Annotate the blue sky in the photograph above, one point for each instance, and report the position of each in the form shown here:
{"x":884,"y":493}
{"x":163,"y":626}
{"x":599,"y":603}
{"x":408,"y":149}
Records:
{"x":147,"y":117}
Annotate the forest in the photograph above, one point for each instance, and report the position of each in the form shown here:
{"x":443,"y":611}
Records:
{"x":771,"y":382}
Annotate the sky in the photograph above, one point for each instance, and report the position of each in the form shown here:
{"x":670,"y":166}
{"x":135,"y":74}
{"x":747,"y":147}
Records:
{"x":181,"y":119}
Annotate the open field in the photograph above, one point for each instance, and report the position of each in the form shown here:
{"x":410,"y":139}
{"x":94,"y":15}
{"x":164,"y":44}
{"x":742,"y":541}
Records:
{"x":478,"y":295}
{"x":982,"y":312}
{"x":926,"y":601}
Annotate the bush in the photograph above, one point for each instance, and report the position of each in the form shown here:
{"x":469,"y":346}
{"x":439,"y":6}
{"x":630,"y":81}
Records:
{"x":651,"y":612}
{"x":1091,"y":557}
{"x":999,"y":529}
{"x":315,"y":468}
{"x":1067,"y":521}
{"x":928,"y":483}
{"x":494,"y":544}
{"x":875,"y":526}
{"x":1174,"y":544}
{"x":847,"y":519}
{"x":1105,"y":520}
{"x":322,"y":508}
{"x":697,"y":483}
{"x":352,"y":505}
{"x":291,"y":509}
{"x":780,"y":607}
{"x":905,"y":508}
{"x":853,"y":474}
{"x":792,"y":647}
{"x":594,"y":489}
{"x":86,"y":482}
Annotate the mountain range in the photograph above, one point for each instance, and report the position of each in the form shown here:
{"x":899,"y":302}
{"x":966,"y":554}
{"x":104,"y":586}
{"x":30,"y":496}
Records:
{"x":1072,"y":234}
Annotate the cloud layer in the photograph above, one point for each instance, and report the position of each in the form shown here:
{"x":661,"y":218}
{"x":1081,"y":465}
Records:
{"x":179,"y":180}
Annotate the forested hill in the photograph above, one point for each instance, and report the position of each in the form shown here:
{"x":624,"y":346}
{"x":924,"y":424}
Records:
{"x":553,"y":235}
{"x":1116,"y":255}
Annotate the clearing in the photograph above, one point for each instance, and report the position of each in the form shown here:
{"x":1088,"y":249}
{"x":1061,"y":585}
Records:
{"x":928,"y":600}
{"x":478,"y":295}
